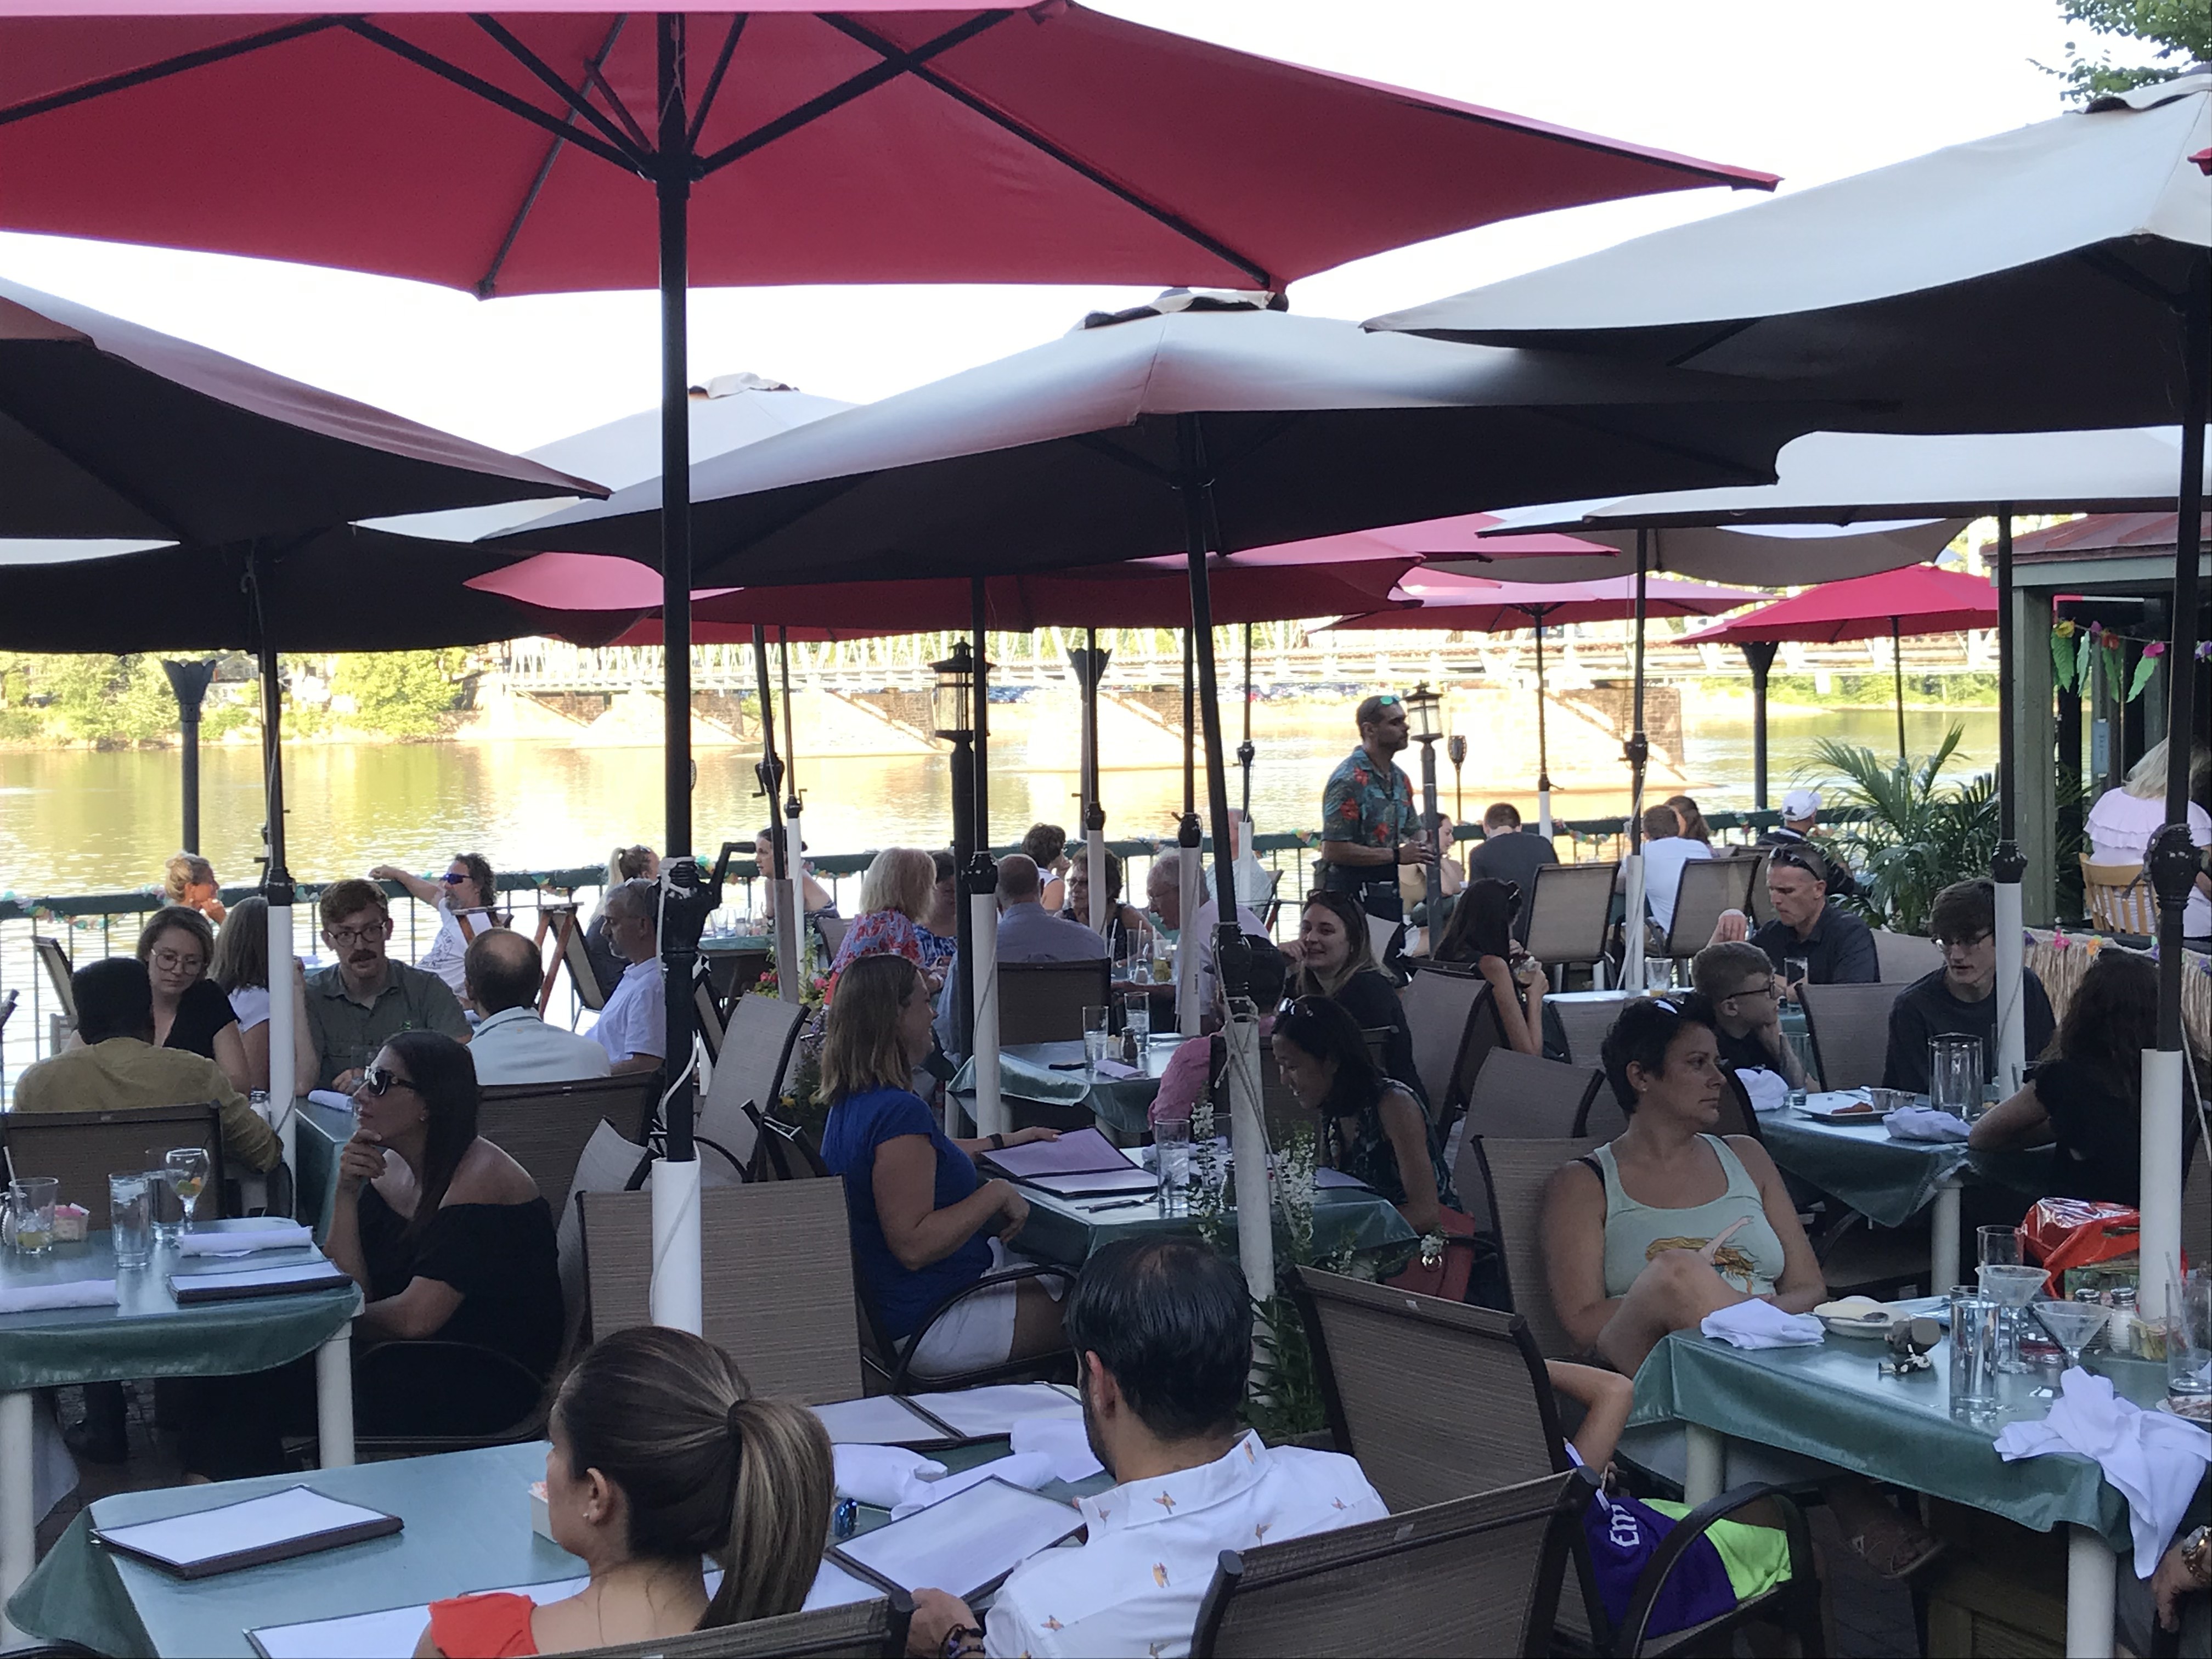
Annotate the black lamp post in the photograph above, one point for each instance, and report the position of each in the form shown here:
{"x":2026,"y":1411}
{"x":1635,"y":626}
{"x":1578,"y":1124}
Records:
{"x":189,"y":680}
{"x":1423,"y":707}
{"x":952,"y":717}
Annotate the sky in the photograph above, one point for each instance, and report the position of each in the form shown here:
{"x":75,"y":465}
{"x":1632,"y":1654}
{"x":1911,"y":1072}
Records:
{"x":1812,"y":92}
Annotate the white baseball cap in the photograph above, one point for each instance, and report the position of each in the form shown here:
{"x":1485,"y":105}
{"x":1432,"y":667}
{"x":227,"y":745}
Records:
{"x":1800,"y":805}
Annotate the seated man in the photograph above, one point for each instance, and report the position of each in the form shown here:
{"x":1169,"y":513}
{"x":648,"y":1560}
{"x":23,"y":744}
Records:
{"x":1833,"y":945}
{"x":1960,"y":995}
{"x":1507,"y":852}
{"x":364,"y":998}
{"x":1162,"y":1329}
{"x":1030,"y":933}
{"x":633,"y":1027}
{"x":1738,"y":980}
{"x":502,"y":975}
{"x":1163,"y":891}
{"x":118,"y":1069}
{"x":1666,"y":850}
{"x":1800,"y":816}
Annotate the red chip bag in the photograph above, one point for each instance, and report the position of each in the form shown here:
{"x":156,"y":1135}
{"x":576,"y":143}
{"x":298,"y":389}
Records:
{"x":2059,"y":1233}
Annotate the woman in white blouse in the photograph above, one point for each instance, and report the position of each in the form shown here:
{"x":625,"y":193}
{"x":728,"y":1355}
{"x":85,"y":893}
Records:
{"x":2122,"y":822}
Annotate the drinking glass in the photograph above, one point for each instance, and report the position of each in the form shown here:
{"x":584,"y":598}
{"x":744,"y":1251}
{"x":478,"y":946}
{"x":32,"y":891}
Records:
{"x":2073,"y":1326}
{"x":1974,"y":1356}
{"x":1796,"y":971}
{"x":1095,"y":1038}
{"x":2012,"y":1287}
{"x":31,"y":1201}
{"x":2189,"y":1348}
{"x":1808,"y":1063}
{"x":1658,"y":973}
{"x":1954,"y":1074}
{"x":1171,"y":1159}
{"x":130,"y":1214}
{"x":1137,"y":1017}
{"x":1997,"y":1247}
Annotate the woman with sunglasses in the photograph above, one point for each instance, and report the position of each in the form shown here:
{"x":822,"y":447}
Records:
{"x":1336,"y":960}
{"x":465,"y":899}
{"x":191,"y":1011}
{"x":1480,"y":932}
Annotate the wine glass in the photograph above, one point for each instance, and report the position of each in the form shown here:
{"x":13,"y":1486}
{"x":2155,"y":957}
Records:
{"x":186,"y":1171}
{"x":2073,"y":1326}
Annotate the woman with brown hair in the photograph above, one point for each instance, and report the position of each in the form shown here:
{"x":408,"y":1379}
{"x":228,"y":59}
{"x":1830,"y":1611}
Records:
{"x":661,"y":1455}
{"x":1480,"y":933}
{"x":1694,"y":827}
{"x":925,"y":1224}
{"x":1336,"y":960}
{"x":191,"y":1011}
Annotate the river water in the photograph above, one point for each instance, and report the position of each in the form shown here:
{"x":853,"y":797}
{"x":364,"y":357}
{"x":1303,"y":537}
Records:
{"x":81,"y":821}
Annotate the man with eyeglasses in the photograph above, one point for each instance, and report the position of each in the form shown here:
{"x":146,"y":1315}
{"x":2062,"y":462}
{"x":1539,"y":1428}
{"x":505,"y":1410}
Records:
{"x":1958,"y":998}
{"x":1740,"y":982}
{"x":357,"y":1002}
{"x":1369,"y":824}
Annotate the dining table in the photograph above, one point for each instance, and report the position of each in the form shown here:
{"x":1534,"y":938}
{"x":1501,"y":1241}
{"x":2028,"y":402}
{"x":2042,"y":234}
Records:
{"x":1118,"y":1095}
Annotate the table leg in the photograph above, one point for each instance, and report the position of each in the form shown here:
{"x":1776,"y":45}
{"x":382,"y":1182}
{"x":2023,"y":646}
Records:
{"x":1943,"y":1256}
{"x":18,"y":1525}
{"x":2090,"y":1564}
{"x":1705,"y":1474}
{"x":334,"y":1400}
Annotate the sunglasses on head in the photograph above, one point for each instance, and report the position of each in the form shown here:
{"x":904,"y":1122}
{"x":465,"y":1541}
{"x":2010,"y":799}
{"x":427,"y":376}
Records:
{"x":378,"y":1081}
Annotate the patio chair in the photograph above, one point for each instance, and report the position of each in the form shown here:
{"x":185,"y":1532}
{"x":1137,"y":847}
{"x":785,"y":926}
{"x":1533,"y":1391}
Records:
{"x":859,"y":1630}
{"x":1584,"y":1019}
{"x":707,"y":1017}
{"x":81,"y":1149}
{"x":544,"y":1126}
{"x":757,"y":1049}
{"x":1043,"y":1001}
{"x":832,"y":929}
{"x":1480,"y":1574}
{"x":1519,"y":1097}
{"x":2118,"y":898}
{"x":1708,"y":887}
{"x":583,"y":978}
{"x":7,"y":1007}
{"x":1602,"y":1115}
{"x":777,"y":1276}
{"x":54,"y":959}
{"x":1569,"y":907}
{"x":1904,"y":957}
{"x":1515,"y":1173}
{"x":1454,"y":1027}
{"x":1849,"y":1027}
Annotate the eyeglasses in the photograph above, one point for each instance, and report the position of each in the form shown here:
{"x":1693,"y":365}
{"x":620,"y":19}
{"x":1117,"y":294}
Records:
{"x":1962,"y":943}
{"x":344,"y":937}
{"x":175,"y":962}
{"x":1766,"y":990}
{"x":453,"y":879}
{"x":378,"y":1081}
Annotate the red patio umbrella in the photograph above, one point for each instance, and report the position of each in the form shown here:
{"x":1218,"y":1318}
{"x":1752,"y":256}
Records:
{"x":1921,"y":598}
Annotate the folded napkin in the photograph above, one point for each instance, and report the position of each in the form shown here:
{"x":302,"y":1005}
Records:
{"x":1923,"y":1123}
{"x":77,"y":1293}
{"x":245,"y":1241}
{"x":881,"y":1474}
{"x":1029,"y":1469}
{"x":1064,"y":1441}
{"x":331,"y":1098}
{"x":2154,"y":1459}
{"x":1762,"y":1325}
{"x":1769,"y":1091}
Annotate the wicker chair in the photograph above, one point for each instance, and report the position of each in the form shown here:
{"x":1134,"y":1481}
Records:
{"x":1522,"y":1098}
{"x":2119,"y":899}
{"x":1453,"y":1028}
{"x":757,"y":1048}
{"x":544,"y":1126}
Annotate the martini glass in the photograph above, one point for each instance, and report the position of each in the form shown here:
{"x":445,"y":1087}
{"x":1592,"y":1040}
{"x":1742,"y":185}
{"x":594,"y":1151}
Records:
{"x":2072,"y":1325}
{"x":2011,"y":1287}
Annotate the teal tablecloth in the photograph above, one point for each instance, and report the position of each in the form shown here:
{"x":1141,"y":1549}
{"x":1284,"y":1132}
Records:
{"x":1120,"y":1105}
{"x":149,"y":1335}
{"x":1889,"y":1181}
{"x":1830,"y":1403}
{"x":1059,"y":1230}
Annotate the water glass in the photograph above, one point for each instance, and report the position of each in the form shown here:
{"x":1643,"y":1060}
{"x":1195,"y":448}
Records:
{"x":1097,"y":1040}
{"x":1172,"y":1159}
{"x":2189,"y":1348}
{"x":1658,"y":973}
{"x":130,"y":1214}
{"x":1973,"y":1354}
{"x":1809,"y":1064}
{"x":31,"y":1202}
{"x":1137,"y":1017}
{"x":1954,"y":1074}
{"x":1796,"y":971}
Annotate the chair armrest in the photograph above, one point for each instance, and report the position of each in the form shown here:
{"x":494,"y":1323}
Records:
{"x":901,"y":1377}
{"x":1629,"y":1635}
{"x":733,"y":1159}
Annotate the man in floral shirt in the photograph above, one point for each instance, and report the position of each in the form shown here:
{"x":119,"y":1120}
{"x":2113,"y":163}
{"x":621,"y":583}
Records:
{"x":1369,"y":825}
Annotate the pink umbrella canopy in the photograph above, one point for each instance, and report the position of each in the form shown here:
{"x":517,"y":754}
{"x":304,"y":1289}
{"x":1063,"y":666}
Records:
{"x":1475,"y":604}
{"x":1921,"y":598}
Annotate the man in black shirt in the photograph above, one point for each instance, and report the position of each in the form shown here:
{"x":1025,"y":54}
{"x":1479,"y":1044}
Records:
{"x":1509,"y":852}
{"x":1834,"y":945}
{"x":1738,"y":980}
{"x":1959,"y":997}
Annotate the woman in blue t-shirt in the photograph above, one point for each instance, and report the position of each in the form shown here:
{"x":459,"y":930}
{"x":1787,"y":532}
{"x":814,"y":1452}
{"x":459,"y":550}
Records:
{"x":925,"y":1224}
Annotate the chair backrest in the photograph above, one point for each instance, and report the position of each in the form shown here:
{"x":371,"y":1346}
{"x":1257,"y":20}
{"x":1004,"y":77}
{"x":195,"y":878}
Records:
{"x":757,"y":1045}
{"x":55,"y":960}
{"x":1568,"y":908}
{"x":1709,"y":886}
{"x":706,"y":1018}
{"x":832,"y":929}
{"x":544,"y":1126}
{"x":1516,"y":1174}
{"x":1519,"y":1098}
{"x":1585,"y":1020}
{"x":2118,"y":897}
{"x":1481,"y":1416}
{"x":1477,"y":1575}
{"x":1904,"y":957}
{"x":1447,"y":1012}
{"x":1279,"y":1108}
{"x":1043,"y":1001}
{"x":1737,"y":1115}
{"x":7,"y":1007}
{"x":581,"y":975}
{"x":1382,"y":933}
{"x":1850,"y":1026}
{"x":861,"y":1629}
{"x":610,"y":1164}
{"x":81,"y":1150}
{"x":777,"y":1271}
{"x":1762,"y":901}
{"x":1602,"y":1116}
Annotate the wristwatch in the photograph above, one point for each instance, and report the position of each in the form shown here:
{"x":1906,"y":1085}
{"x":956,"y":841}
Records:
{"x":2196,"y":1555}
{"x":997,"y":1143}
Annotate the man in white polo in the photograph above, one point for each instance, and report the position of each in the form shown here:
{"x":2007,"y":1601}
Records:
{"x":501,"y":975}
{"x":633,"y":1027}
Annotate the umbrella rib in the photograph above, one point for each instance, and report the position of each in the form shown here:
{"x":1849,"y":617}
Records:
{"x":1260,"y":275}
{"x":557,"y":125}
{"x":578,"y":99}
{"x":489,"y":284}
{"x":2105,"y":264}
{"x":1101,"y":444}
{"x":174,"y":531}
{"x":895,"y":63}
{"x":1680,"y":452}
{"x":178,"y":65}
{"x":714,"y":81}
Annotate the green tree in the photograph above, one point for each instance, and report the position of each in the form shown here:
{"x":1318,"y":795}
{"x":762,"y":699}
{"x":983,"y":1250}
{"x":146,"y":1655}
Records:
{"x":400,"y":693}
{"x":2178,"y":33}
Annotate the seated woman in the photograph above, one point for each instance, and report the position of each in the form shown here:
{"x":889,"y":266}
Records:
{"x":1670,"y":1222}
{"x":623,"y":864}
{"x":1047,"y":844}
{"x":1372,"y":1128}
{"x":940,"y":929}
{"x":191,"y":1011}
{"x":819,"y":899}
{"x":1694,"y":827}
{"x":661,"y":1455}
{"x":2086,"y":1093}
{"x":897,"y":894}
{"x":189,"y":880}
{"x":1336,"y":960}
{"x":466,"y":900}
{"x":1127,"y":930}
{"x":241,"y":968}
{"x":924,"y":1223}
{"x":1481,"y":931}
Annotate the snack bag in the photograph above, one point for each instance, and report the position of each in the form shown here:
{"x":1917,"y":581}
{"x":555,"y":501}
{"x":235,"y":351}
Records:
{"x":2059,"y":1233}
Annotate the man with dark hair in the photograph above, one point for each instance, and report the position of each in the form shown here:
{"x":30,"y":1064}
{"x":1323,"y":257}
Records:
{"x":1738,"y":980}
{"x":502,"y":977}
{"x":1162,"y":1330}
{"x":1666,"y":850}
{"x":118,"y":1069}
{"x":1509,"y":852}
{"x":1028,"y":932}
{"x":364,"y":998}
{"x":1959,"y":997}
{"x":1368,"y":826}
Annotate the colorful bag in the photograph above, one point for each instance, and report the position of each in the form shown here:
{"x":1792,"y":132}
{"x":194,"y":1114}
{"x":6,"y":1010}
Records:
{"x":2059,"y":1233}
{"x":1731,"y":1563}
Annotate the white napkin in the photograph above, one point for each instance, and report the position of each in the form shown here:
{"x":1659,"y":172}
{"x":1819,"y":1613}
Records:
{"x":77,"y":1293}
{"x":1762,"y":1325}
{"x":1923,"y":1123}
{"x":331,"y":1098}
{"x":2154,"y":1459}
{"x":1769,"y":1091}
{"x":1064,"y":1440}
{"x":245,"y":1241}
{"x":881,"y":1474}
{"x":1029,"y":1469}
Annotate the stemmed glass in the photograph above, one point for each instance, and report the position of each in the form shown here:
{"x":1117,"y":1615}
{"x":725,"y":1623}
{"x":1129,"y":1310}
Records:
{"x":2072,"y":1326}
{"x":2011,"y":1287}
{"x":186,"y":1168}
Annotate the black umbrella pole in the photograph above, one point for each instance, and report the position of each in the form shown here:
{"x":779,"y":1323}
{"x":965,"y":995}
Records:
{"x":276,"y":886}
{"x":2174,"y":861}
{"x":1759,"y":654}
{"x":1246,"y":753}
{"x":789,"y":934}
{"x":979,"y":615}
{"x":1897,"y":683}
